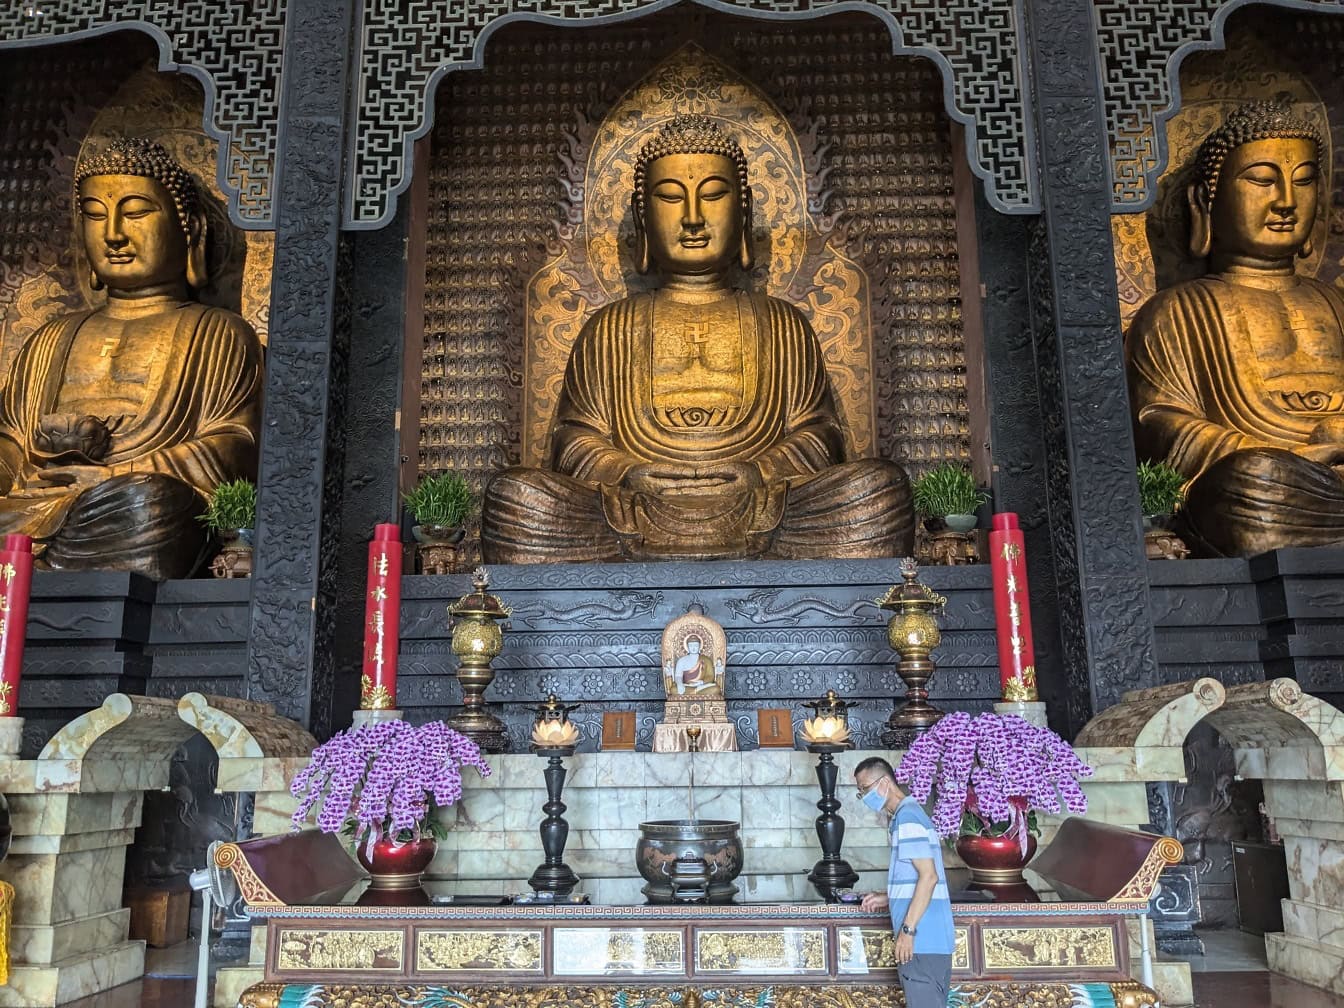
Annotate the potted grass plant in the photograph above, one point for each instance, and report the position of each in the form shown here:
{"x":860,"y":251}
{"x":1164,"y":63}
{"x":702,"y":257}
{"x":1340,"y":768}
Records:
{"x":948,"y":492}
{"x":1161,"y":493}
{"x":441,"y":504}
{"x":231,"y":514}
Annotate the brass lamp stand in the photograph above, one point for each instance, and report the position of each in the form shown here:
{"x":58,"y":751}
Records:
{"x":554,"y":737}
{"x":913,"y":633}
{"x":477,"y":640}
{"x":827,"y":733}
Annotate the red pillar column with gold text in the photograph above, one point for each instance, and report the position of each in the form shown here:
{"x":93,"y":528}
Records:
{"x":16,"y":586}
{"x":1012,"y":619}
{"x":382,"y":621}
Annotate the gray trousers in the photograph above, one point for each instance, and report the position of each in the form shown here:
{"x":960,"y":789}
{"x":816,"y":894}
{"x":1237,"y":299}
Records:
{"x":926,"y":979}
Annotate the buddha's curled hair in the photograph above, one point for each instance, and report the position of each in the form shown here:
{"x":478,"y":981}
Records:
{"x":690,"y":134}
{"x":145,"y":159}
{"x":1259,"y":120}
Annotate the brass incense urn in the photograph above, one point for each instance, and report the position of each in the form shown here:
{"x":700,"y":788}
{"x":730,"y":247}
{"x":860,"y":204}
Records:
{"x":913,"y":633}
{"x":478,"y":639}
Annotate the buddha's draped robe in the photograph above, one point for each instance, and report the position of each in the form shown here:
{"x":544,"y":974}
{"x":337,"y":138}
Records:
{"x":813,"y":503}
{"x":1201,"y":405}
{"x":198,"y":428}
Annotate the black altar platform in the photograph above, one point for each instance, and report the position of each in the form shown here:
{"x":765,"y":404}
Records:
{"x":590,"y":633}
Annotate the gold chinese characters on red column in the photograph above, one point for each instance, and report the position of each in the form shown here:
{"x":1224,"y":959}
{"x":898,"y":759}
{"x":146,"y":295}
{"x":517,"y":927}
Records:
{"x":16,"y":584}
{"x":382,"y":613}
{"x":1012,"y":610}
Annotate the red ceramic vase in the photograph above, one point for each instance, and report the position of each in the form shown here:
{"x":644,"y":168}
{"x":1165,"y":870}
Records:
{"x":996,"y":865}
{"x":395,"y":866}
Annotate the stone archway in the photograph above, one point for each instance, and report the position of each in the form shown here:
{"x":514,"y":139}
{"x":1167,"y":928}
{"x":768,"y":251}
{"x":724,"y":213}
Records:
{"x":1294,"y":744}
{"x":75,"y":810}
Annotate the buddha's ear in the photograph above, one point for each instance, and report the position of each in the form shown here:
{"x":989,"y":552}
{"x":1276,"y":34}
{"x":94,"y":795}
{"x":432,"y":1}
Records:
{"x":745,"y":257}
{"x":198,"y":275}
{"x":643,"y":261}
{"x":1307,"y":249}
{"x":1201,"y":220}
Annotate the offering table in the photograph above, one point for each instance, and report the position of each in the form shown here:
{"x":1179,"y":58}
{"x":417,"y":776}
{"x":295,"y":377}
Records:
{"x":332,"y":950}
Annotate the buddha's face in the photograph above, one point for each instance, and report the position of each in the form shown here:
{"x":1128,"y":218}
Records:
{"x":131,"y":232}
{"x":693,"y":213}
{"x":1265,"y":207}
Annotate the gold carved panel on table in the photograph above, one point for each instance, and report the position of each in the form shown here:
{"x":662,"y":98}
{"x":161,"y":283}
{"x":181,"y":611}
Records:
{"x":862,"y":950}
{"x":617,"y":952}
{"x":788,"y":951}
{"x":1049,"y":948}
{"x":478,"y":951}
{"x":337,"y":949}
{"x":798,"y":264}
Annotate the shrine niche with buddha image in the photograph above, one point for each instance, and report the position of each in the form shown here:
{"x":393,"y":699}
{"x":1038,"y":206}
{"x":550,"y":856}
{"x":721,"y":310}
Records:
{"x":503,"y":313}
{"x":134,"y":384}
{"x":1230,"y":291}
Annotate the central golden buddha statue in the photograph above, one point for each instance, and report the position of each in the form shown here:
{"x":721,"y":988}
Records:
{"x":1237,"y":378}
{"x":116,"y":424}
{"x":696,"y":421}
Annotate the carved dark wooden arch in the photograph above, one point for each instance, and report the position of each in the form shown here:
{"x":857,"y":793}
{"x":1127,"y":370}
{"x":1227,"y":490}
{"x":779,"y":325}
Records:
{"x":233,"y":48}
{"x":1142,"y":45}
{"x":978,"y":46}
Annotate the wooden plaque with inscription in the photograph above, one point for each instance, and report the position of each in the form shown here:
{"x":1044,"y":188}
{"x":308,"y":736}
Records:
{"x":618,"y":730}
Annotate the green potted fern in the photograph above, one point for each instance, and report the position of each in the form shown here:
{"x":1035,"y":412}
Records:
{"x":948,"y":492}
{"x":441,"y":505}
{"x":1161,"y":493}
{"x":231,"y":514}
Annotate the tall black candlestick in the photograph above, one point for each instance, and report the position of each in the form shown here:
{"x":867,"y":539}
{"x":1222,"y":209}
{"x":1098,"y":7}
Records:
{"x":554,"y":876}
{"x":832,"y":872}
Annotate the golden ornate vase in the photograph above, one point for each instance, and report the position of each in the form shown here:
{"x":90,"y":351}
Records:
{"x":477,"y":640}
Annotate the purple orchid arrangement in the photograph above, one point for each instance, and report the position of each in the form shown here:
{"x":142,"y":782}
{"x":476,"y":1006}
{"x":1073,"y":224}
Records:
{"x":381,"y":780}
{"x":989,"y":775}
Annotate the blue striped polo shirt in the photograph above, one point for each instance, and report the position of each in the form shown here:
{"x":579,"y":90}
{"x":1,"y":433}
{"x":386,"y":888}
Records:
{"x":913,"y":836}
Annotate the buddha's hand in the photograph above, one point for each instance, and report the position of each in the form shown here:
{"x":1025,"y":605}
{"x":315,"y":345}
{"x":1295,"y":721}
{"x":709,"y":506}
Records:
{"x":1325,"y":454}
{"x":76,"y":477}
{"x":1329,"y":431}
{"x":730,"y":477}
{"x":68,"y":437}
{"x":668,"y":479}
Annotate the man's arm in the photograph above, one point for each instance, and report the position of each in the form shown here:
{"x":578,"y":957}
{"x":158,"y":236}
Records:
{"x":919,"y":902}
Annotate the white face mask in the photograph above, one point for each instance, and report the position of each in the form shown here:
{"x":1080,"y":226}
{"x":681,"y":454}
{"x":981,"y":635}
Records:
{"x":873,"y":798}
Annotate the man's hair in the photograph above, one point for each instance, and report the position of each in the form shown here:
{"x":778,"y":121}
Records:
{"x":1259,"y":120}
{"x":875,"y":763}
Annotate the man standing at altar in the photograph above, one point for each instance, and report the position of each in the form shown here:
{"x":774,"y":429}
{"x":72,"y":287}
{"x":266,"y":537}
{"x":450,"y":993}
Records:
{"x":916,"y":896}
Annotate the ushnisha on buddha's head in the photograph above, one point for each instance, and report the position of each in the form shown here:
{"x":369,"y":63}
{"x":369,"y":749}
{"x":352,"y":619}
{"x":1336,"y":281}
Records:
{"x":1257,"y":184}
{"x":692,"y":201}
{"x":141,"y":219}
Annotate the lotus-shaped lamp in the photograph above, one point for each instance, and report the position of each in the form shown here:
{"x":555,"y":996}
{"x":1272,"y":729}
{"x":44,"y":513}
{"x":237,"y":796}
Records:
{"x":825,"y":731}
{"x":554,"y":734}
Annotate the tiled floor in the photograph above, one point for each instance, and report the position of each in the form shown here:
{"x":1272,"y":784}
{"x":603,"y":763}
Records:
{"x":1230,"y":951}
{"x":144,"y":994}
{"x":1258,"y":990}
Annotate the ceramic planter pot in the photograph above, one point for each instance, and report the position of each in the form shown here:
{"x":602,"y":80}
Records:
{"x":393,"y":866}
{"x":996,"y":865}
{"x":960,"y":522}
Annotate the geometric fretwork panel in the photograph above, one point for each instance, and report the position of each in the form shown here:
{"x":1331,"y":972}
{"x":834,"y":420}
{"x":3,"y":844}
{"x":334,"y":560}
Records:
{"x":1142,"y":45}
{"x":233,"y":46}
{"x":405,"y":47}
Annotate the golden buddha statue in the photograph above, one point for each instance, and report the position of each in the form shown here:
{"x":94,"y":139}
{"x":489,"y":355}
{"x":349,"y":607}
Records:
{"x":696,"y":420}
{"x":1237,"y":378}
{"x":116,"y":424}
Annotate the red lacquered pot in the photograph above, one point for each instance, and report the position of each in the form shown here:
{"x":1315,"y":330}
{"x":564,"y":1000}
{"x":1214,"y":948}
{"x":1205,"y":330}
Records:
{"x":996,"y":865}
{"x":396,"y":866}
